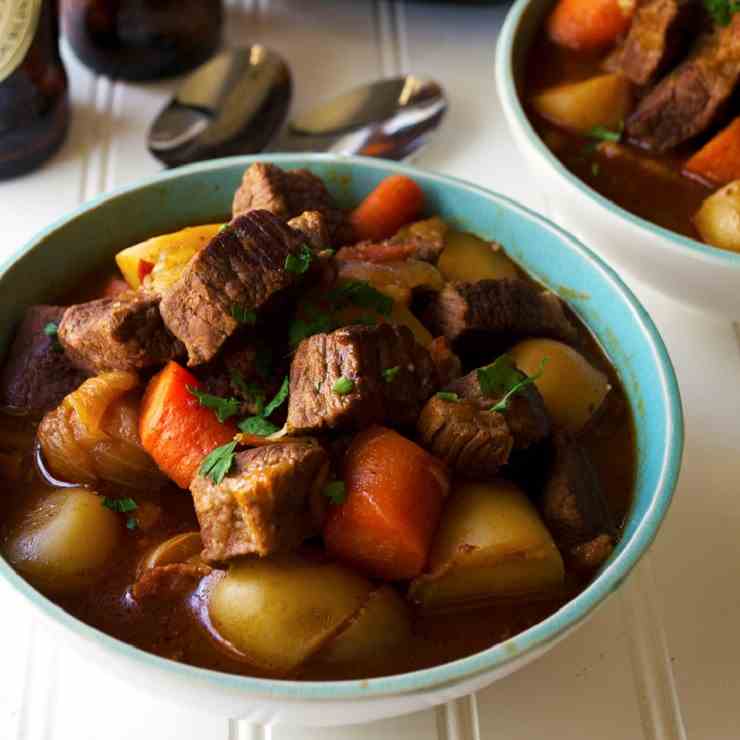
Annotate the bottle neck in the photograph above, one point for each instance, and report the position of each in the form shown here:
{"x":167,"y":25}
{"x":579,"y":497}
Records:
{"x":18,"y":22}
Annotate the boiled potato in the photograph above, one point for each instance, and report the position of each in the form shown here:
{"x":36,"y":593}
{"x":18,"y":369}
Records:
{"x":278,"y":612}
{"x":430,"y":229}
{"x":402,"y":316}
{"x":718,"y":219}
{"x":580,"y":106}
{"x":491,"y":544}
{"x":63,"y":541}
{"x":466,"y":258}
{"x":169,"y":253}
{"x":382,"y":626}
{"x":571,"y":387}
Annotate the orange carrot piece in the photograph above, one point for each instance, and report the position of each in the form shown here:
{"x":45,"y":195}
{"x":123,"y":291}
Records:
{"x":394,"y":493}
{"x":175,"y":429}
{"x":718,"y":161}
{"x":586,"y":25}
{"x":396,"y":201}
{"x":144,"y":268}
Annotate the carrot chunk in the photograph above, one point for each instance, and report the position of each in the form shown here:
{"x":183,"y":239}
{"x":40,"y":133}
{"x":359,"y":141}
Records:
{"x":175,"y":429}
{"x":394,"y":493}
{"x":718,"y":161}
{"x":396,"y":201}
{"x":586,"y":25}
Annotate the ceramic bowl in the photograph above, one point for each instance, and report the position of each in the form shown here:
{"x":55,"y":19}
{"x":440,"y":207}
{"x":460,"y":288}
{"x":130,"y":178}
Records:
{"x":692,"y":272}
{"x":62,"y":255}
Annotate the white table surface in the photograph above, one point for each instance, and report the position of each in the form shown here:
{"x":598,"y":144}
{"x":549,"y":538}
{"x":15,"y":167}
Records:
{"x":660,"y":655}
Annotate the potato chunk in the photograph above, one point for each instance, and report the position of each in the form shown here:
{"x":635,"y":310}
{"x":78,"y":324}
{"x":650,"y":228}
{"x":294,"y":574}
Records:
{"x":718,"y":219}
{"x":63,"y":541}
{"x":278,"y":612}
{"x":571,"y":387}
{"x":164,"y":256}
{"x":467,"y":259}
{"x":491,"y":544}
{"x":580,"y":106}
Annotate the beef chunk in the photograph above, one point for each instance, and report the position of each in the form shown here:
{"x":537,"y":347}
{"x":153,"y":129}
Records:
{"x":357,"y":356}
{"x":526,"y":415}
{"x":498,"y":311}
{"x":574,"y":508}
{"x":427,"y":238}
{"x":314,"y":228}
{"x":264,"y":505}
{"x":243,"y":267}
{"x":287,"y":194}
{"x":690,"y":99}
{"x":123,"y":333}
{"x":472,"y":441}
{"x":38,"y":374}
{"x":168,"y":581}
{"x":655,"y":39}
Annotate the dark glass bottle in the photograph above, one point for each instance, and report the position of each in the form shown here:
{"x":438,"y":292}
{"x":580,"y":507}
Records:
{"x":142,"y":39}
{"x":34,"y":105}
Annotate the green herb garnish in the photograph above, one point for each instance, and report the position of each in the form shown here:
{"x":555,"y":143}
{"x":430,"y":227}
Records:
{"x":51,"y":329}
{"x":343,"y":386}
{"x":362,"y":294}
{"x":223,"y":227}
{"x":300,"y":262}
{"x":224,"y":408}
{"x":318,"y":323}
{"x":335,"y":491}
{"x":602,"y":133}
{"x":258,"y":426}
{"x":722,"y":10}
{"x":121,"y":505}
{"x":244,"y":315}
{"x":502,"y":379}
{"x":279,"y":398}
{"x":595,"y":168}
{"x":389,"y":374}
{"x":251,"y":391}
{"x":446,"y":396}
{"x":217,"y":464}
{"x":132,"y":523}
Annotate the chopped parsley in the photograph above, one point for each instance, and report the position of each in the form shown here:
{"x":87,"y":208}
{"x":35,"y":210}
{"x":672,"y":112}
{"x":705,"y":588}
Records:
{"x":362,"y":294}
{"x":223,"y":228}
{"x":300,"y":262}
{"x":502,"y":379}
{"x":722,"y":10}
{"x":244,"y":315}
{"x":446,"y":396}
{"x":52,"y":331}
{"x":217,"y":464}
{"x":317,"y":323}
{"x":132,"y":523}
{"x":224,"y":408}
{"x":335,"y":491}
{"x":251,"y":391}
{"x":279,"y":398}
{"x":602,"y":133}
{"x":343,"y":386}
{"x":121,"y":505}
{"x":258,"y":425}
{"x":389,"y":374}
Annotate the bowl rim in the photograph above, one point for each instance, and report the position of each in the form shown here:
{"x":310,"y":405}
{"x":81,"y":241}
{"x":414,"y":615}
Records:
{"x":517,"y":118}
{"x":497,"y":656}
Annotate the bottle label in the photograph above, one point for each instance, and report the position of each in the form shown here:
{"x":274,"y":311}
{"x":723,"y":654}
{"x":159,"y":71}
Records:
{"x":18,"y":21}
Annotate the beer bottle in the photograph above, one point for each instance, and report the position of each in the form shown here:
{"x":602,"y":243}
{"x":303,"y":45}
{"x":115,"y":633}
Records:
{"x":34,"y":107}
{"x":142,"y":39}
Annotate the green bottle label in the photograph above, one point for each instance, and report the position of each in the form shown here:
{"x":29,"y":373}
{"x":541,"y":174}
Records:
{"x":18,"y":21}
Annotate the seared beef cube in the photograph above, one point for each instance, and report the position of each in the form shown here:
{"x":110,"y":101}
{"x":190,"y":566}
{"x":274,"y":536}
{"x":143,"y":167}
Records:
{"x":123,"y":333}
{"x":263,"y":505}
{"x":526,"y":416}
{"x":38,"y":374}
{"x":498,"y":311}
{"x":357,"y":376}
{"x":574,"y":508}
{"x":655,"y":38}
{"x":692,"y":98}
{"x":474,"y":442}
{"x":287,"y":194}
{"x":240,"y":270}
{"x":313,"y":226}
{"x":168,"y":582}
{"x":426,"y":237}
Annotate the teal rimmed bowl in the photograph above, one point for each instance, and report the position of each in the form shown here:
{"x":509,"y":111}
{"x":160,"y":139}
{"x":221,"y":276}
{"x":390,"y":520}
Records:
{"x":66,"y":252}
{"x":691,"y":272}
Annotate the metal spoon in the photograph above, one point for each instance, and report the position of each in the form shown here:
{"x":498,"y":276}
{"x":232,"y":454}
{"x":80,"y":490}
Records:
{"x":389,"y":118}
{"x":233,"y":104}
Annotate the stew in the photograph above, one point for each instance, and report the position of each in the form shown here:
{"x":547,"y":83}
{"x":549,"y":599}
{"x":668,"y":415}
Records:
{"x":641,"y":100}
{"x":270,"y":448}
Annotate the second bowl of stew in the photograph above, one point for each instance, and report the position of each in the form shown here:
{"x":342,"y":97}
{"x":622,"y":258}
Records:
{"x":628,"y":114}
{"x":321,"y":439}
